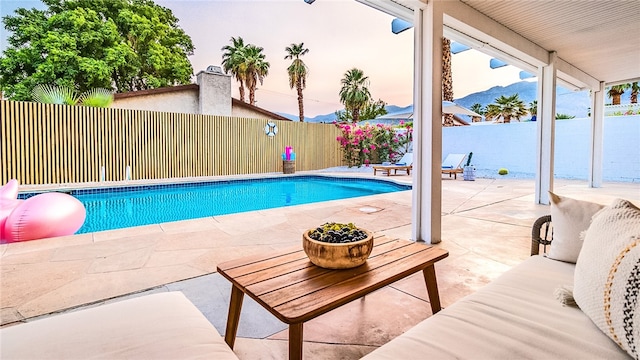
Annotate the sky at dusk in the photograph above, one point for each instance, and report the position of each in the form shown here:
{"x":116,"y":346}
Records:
{"x":340,"y":35}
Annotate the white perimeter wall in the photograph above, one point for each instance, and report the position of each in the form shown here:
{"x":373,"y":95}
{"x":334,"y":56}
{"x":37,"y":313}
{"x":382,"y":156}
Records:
{"x":512,"y":146}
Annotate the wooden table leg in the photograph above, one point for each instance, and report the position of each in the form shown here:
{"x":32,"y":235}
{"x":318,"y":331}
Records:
{"x":235,"y":306}
{"x":295,"y":341}
{"x":432,"y":288}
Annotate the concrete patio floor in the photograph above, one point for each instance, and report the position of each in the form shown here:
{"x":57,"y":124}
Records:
{"x":486,"y":226}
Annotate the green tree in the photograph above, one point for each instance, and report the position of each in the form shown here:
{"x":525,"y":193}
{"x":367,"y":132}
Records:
{"x":634,"y":92}
{"x":616,"y":91}
{"x":564,"y":116}
{"x":247,"y":64}
{"x":232,"y":61}
{"x":343,"y":116}
{"x":124,"y":45}
{"x":354,"y":93}
{"x":533,"y":109}
{"x":297,"y":72}
{"x":478,"y":109}
{"x":256,"y":68}
{"x":491,"y":112}
{"x":371,"y":110}
{"x":507,"y":108}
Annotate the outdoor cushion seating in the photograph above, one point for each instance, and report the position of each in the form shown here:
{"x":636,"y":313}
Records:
{"x":452,"y":164}
{"x":158,"y":326}
{"x":526,"y":312}
{"x":404,"y":164}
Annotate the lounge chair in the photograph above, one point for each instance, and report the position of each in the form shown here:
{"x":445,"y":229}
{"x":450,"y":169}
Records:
{"x":405,"y":164}
{"x":452,"y":164}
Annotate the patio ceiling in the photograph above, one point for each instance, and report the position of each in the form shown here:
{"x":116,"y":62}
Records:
{"x":597,"y":40}
{"x":597,"y":37}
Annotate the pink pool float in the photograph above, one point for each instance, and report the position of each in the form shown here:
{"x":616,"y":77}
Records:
{"x":40,"y":216}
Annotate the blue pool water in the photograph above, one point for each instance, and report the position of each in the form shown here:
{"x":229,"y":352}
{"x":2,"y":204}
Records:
{"x":116,"y":208}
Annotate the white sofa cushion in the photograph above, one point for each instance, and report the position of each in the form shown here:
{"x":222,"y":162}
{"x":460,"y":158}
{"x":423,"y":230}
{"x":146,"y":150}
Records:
{"x":158,"y":326}
{"x":607,"y":278}
{"x":570,"y":217}
{"x":514,"y":317}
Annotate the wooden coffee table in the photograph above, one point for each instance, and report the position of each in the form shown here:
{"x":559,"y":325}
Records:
{"x":294,"y":290}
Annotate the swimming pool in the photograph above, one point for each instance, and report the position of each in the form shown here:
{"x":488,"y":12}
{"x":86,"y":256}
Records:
{"x":115,"y":208}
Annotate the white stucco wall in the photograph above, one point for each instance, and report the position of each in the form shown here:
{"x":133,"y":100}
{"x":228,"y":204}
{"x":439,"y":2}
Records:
{"x":185,"y":101}
{"x":237,"y":111}
{"x":513,"y":146}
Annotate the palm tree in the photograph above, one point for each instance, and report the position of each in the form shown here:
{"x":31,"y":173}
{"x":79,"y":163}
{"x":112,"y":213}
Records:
{"x":476,"y":108}
{"x":533,"y":110}
{"x":255,"y":68}
{"x":98,"y":97}
{"x":354,"y":93}
{"x":634,"y":92}
{"x":491,"y":112}
{"x":616,"y":91}
{"x":54,"y":94}
{"x":373,"y":109}
{"x":447,"y":79}
{"x":507,"y":107}
{"x":232,"y":58}
{"x":297,"y":72}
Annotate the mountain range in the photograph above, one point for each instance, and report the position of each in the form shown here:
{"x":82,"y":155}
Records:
{"x":574,"y":103}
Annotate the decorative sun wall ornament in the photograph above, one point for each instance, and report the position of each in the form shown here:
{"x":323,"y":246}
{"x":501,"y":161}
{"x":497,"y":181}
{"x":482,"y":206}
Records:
{"x":271,"y":129}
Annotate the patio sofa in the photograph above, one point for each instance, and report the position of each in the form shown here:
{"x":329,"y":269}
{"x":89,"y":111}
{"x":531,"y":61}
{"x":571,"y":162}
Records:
{"x":527,"y":313}
{"x":158,"y":326}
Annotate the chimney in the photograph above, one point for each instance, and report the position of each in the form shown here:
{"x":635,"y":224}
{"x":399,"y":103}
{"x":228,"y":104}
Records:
{"x":215,"y":92}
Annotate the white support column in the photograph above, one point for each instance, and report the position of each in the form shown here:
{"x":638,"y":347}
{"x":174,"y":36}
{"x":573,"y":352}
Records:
{"x":597,"y":136}
{"x":427,"y":139}
{"x":418,"y":68}
{"x":546,"y":129}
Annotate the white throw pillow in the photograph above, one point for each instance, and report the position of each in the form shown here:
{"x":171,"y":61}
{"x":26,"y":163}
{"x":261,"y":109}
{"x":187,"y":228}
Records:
{"x":570,"y":217}
{"x":607,"y":275}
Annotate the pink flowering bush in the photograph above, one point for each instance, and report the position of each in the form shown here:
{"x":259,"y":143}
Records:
{"x":372,"y":143}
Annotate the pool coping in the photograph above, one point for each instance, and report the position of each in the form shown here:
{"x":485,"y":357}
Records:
{"x":66,"y":187}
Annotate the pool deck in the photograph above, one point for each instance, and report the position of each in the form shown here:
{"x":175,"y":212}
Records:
{"x":486,"y":226}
